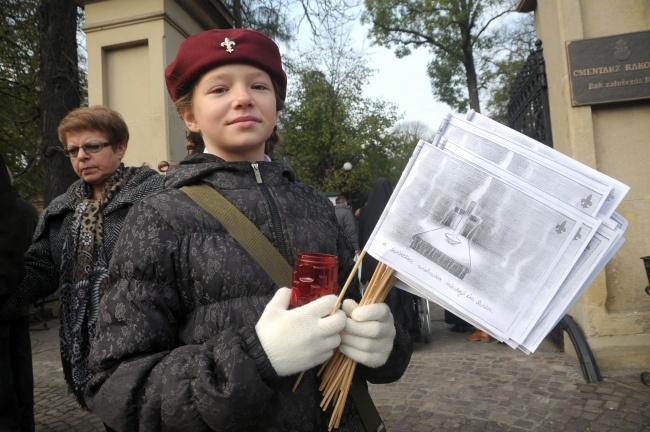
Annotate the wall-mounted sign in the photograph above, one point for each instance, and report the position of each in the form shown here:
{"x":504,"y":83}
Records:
{"x":609,"y":69}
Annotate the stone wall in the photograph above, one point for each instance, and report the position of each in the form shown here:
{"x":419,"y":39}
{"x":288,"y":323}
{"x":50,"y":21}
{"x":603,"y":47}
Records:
{"x":614,"y":138}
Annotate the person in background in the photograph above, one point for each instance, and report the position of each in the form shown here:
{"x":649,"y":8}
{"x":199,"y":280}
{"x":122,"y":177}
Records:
{"x":76,"y":234}
{"x":459,"y":325}
{"x":369,"y":215}
{"x":479,"y":336}
{"x":18,"y":220}
{"x":193,"y":333}
{"x":348,"y":221}
{"x":401,"y":303}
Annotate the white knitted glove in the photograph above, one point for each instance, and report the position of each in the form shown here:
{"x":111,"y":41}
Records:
{"x":299,"y":339}
{"x":368,"y":334}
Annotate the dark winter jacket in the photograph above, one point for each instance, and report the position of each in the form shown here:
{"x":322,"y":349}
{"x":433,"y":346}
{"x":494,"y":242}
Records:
{"x":18,"y":220}
{"x":43,"y":259}
{"x":349,"y":223}
{"x":42,"y":275}
{"x":176,"y":347}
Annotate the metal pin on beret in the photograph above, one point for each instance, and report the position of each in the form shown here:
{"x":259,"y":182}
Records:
{"x":212,"y":48}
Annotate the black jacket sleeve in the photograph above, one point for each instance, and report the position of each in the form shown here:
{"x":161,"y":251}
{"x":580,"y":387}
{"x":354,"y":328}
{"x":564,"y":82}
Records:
{"x":17,"y":223}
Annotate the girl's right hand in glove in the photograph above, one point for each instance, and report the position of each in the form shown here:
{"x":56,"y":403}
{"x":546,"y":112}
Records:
{"x":369,"y":333}
{"x":298,"y":339}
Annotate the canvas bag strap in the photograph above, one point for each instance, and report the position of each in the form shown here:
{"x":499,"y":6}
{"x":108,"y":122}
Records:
{"x":370,"y":417}
{"x":244,"y":231}
{"x":278,"y":269}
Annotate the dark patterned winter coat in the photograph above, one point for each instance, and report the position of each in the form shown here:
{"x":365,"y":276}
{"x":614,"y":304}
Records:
{"x":44,"y":257}
{"x":176,"y":347}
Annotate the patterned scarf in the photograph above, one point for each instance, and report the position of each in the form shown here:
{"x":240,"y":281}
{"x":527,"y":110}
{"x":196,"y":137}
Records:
{"x":84,"y":279}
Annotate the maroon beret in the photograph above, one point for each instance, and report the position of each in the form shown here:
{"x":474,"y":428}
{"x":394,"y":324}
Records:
{"x":212,"y":48}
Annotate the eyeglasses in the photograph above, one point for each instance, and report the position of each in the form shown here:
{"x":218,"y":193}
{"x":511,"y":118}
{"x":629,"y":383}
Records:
{"x":94,"y":147}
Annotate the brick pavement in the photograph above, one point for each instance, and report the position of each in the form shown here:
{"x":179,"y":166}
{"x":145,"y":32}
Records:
{"x":451,"y":385}
{"x":55,"y":409}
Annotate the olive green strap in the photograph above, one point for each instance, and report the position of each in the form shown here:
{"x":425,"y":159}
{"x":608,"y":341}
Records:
{"x":278,"y":269}
{"x":368,"y":413}
{"x":244,"y":231}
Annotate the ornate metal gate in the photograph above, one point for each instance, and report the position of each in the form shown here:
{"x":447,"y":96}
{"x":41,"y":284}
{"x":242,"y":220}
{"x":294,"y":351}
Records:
{"x":528,"y":109}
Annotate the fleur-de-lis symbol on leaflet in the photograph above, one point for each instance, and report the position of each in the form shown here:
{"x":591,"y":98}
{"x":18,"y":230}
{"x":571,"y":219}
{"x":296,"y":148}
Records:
{"x":586,"y":202}
{"x":560,"y":228}
{"x":228,"y":44}
{"x":578,"y":236}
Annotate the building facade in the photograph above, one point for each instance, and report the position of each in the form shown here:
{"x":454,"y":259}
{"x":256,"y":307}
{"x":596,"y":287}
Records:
{"x":611,"y":133}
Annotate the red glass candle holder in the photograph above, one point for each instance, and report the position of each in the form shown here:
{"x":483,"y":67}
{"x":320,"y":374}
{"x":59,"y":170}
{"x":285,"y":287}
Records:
{"x":314,"y":276}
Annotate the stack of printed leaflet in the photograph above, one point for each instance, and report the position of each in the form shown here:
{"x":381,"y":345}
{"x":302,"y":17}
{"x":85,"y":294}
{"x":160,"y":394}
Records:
{"x":498,"y":228}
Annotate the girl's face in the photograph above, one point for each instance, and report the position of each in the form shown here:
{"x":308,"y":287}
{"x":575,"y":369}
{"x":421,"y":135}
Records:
{"x":235,"y":112}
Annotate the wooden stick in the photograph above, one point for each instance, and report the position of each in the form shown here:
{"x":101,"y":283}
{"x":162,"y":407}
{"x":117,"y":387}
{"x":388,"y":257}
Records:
{"x":335,"y":362}
{"x":346,"y":391}
{"x":344,"y":388}
{"x":324,"y":365}
{"x":337,"y":376}
{"x":374,"y":286}
{"x":353,"y":273}
{"x":329,"y":375}
{"x":351,"y":276}
{"x":330,"y":391}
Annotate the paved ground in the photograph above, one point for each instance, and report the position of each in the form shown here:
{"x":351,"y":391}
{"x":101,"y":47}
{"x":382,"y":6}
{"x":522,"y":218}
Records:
{"x":451,"y":385}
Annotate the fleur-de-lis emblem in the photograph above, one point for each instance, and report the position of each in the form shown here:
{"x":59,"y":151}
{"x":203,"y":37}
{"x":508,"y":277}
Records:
{"x":586,"y":202}
{"x":578,"y":236}
{"x":560,"y":228}
{"x":228,"y":44}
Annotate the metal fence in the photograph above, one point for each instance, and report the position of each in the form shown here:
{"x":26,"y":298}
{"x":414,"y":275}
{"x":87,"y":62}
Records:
{"x":528,"y":109}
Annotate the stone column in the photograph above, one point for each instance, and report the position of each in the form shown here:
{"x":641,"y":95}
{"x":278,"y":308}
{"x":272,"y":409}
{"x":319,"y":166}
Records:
{"x":129,"y":44}
{"x":612,"y":138}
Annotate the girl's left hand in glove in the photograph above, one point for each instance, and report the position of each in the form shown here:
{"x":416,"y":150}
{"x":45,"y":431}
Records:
{"x":368,"y":334}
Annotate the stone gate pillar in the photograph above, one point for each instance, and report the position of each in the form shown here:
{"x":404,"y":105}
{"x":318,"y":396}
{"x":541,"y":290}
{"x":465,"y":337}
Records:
{"x":129,"y":44}
{"x":611,"y":136}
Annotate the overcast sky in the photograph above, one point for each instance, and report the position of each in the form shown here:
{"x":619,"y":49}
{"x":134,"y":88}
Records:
{"x":405,"y":82}
{"x":401,"y":81}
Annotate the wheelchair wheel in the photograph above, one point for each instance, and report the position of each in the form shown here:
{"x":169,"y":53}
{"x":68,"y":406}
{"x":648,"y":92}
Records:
{"x":424,"y":316}
{"x":645,"y":378}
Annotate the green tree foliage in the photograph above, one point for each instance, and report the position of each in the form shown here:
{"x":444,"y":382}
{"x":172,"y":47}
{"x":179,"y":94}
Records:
{"x":267,"y":16}
{"x":38,"y":67}
{"x":459,"y":35}
{"x":328,"y":122}
{"x":19,"y":108}
{"x":406,"y":135}
{"x":519,"y":40}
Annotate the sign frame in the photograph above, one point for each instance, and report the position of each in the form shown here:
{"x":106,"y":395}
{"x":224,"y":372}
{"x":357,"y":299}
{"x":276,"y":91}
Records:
{"x":609,"y":69}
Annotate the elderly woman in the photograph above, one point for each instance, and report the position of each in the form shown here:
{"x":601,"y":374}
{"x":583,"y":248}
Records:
{"x":76,"y":233}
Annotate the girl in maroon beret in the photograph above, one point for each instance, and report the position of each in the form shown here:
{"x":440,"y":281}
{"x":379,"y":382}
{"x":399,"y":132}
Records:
{"x":193,"y":334}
